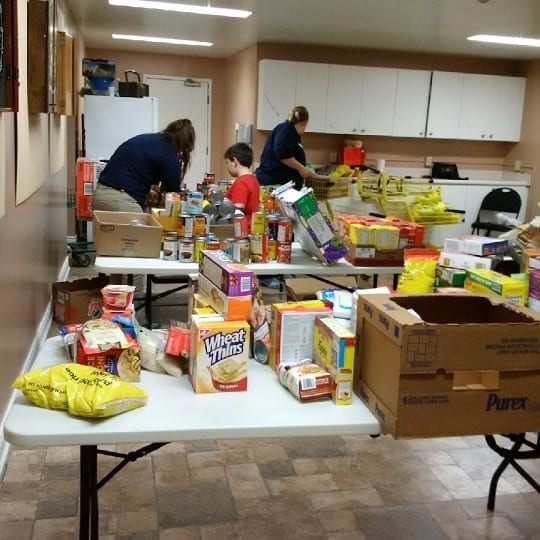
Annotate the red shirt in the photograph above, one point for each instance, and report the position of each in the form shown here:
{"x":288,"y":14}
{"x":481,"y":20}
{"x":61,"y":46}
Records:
{"x":245,"y":190}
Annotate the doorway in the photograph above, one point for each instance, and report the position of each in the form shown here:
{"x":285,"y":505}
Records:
{"x":183,"y":97}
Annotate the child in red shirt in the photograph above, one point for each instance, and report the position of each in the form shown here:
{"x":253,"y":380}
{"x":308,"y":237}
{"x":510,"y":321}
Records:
{"x":244,"y":191}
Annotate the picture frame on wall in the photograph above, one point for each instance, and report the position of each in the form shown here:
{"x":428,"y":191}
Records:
{"x":9,"y":70}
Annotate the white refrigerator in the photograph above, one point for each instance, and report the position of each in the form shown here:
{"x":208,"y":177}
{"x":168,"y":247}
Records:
{"x":109,"y":121}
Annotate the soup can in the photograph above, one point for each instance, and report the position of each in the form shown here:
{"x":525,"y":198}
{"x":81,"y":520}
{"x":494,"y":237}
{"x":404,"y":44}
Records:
{"x":284,"y":252}
{"x":215,"y":195}
{"x":199,"y":225}
{"x":259,"y":248}
{"x":272,"y":224}
{"x":186,"y":249}
{"x":194,"y":202}
{"x":285,"y":230}
{"x":170,"y":247}
{"x":209,"y":178}
{"x":212,"y":243}
{"x":199,"y":245}
{"x":258,"y":223}
{"x":241,"y":250}
{"x":185,"y":225}
{"x":241,"y":225}
{"x":227,"y":246}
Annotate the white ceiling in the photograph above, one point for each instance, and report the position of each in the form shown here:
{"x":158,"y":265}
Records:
{"x":429,"y":26}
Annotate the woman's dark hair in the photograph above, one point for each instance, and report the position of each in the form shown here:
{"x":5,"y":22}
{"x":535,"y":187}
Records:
{"x":181,"y":135}
{"x":298,"y":114}
{"x":242,"y":152}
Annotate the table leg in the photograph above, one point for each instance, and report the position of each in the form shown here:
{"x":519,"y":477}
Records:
{"x":148,"y":301}
{"x":89,"y":510}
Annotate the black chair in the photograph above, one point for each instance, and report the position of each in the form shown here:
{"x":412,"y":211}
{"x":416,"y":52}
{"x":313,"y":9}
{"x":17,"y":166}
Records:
{"x":499,"y":202}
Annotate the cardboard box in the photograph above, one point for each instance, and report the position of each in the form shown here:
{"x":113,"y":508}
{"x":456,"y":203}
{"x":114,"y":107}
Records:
{"x":116,"y":234}
{"x":232,"y":278}
{"x":87,"y":173}
{"x":219,"y":354}
{"x":463,"y":260}
{"x":476,"y":245}
{"x":222,"y":231}
{"x":470,"y":365}
{"x":489,"y":281}
{"x":333,"y":349}
{"x":232,"y":308}
{"x":449,"y":277}
{"x":369,"y":255}
{"x":298,"y":289}
{"x":77,"y":301}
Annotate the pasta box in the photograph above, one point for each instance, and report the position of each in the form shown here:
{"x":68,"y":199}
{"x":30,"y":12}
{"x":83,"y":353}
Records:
{"x":448,"y":365}
{"x":232,"y":278}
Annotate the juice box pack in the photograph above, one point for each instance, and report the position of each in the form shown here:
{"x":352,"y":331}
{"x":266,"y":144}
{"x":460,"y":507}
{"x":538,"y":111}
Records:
{"x":219,"y":354}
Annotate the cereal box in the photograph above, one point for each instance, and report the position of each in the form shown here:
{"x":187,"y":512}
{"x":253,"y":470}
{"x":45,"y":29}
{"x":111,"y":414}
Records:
{"x":232,"y":278}
{"x":233,"y":308}
{"x":333,"y":349}
{"x":219,"y":354}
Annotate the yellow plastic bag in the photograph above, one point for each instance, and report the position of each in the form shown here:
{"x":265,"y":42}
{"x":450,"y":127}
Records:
{"x":82,"y":390}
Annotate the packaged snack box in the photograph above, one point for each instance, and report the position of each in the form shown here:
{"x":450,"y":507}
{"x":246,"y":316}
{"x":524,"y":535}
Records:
{"x":232,"y":278}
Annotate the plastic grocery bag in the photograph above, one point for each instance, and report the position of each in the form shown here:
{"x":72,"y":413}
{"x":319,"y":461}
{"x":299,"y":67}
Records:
{"x":82,"y":390}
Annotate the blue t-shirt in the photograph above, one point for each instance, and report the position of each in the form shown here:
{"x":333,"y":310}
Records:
{"x":282,"y":143}
{"x":139,"y":163}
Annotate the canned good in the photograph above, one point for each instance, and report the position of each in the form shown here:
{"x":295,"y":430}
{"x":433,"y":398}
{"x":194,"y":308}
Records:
{"x":272,"y":223}
{"x":284,"y":252}
{"x":215,"y":195}
{"x":241,"y":250}
{"x":241,"y":225}
{"x":259,"y":248}
{"x":194,"y":202}
{"x":212,"y":243}
{"x":272,"y":249}
{"x":226,"y":209}
{"x":199,"y":225}
{"x":185,"y":225}
{"x":186,"y":249}
{"x":285,"y":230}
{"x":209,"y":178}
{"x":199,"y":245}
{"x":223,"y":185}
{"x":258,"y":223}
{"x":227,"y":246}
{"x":170,"y":247}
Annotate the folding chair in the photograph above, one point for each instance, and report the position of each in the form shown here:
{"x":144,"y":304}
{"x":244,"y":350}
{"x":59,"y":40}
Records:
{"x":503,"y":200}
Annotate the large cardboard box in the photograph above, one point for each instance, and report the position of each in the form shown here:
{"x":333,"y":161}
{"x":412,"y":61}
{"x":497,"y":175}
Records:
{"x":469,"y":365}
{"x":77,"y":301}
{"x":298,"y":289}
{"x":126,"y":234}
{"x":369,"y":255}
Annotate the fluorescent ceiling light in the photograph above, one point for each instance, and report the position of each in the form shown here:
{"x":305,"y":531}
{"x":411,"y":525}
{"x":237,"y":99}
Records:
{"x":183,"y":8}
{"x":171,"y":41}
{"x":506,"y":40}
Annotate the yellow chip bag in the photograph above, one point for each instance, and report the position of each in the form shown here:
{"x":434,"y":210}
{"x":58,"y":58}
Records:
{"x":82,"y":390}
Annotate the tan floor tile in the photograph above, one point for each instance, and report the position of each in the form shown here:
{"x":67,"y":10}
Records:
{"x":24,"y":491}
{"x":173,"y":478}
{"x":25,"y":465}
{"x":310,"y":483}
{"x":215,"y":475}
{"x":338,"y":521}
{"x":18,"y":510}
{"x":245,"y":481}
{"x":63,"y":454}
{"x":136,"y":521}
{"x":56,"y":529}
{"x":273,"y":452}
{"x":309,"y":466}
{"x":457,"y":481}
{"x":180,"y":533}
{"x":345,"y":499}
{"x":219,"y":457}
{"x":446,"y":511}
{"x":488,"y":528}
{"x":438,"y":443}
{"x":221,"y":531}
{"x":19,"y":530}
{"x":169,"y":462}
{"x":350,"y":535}
{"x":255,"y":442}
{"x":436,"y":457}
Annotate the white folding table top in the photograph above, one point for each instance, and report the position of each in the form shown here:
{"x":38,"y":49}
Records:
{"x":174,"y":412}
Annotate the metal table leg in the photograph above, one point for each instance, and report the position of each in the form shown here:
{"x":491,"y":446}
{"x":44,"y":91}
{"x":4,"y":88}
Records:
{"x":89,"y":510}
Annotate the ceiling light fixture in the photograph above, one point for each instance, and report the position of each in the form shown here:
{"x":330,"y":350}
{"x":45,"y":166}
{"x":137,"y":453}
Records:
{"x":183,"y":8}
{"x":170,"y":41}
{"x":506,"y":40}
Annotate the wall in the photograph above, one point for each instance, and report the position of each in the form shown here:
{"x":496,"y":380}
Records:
{"x":32,"y":233}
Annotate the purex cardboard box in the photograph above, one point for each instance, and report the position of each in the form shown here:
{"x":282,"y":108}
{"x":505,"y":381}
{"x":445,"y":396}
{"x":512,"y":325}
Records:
{"x":77,"y":301}
{"x":469,"y":365}
{"x":126,"y":234}
{"x":306,"y":288}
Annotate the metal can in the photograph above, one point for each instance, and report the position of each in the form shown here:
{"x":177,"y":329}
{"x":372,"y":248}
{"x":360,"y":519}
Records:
{"x":241,"y":250}
{"x":199,"y":225}
{"x":215,"y":195}
{"x":284,"y":252}
{"x":258,"y":223}
{"x":226,"y":209}
{"x":185,"y":225}
{"x":209,"y":178}
{"x":259,"y":248}
{"x":285,"y":230}
{"x":212,"y":243}
{"x":241,"y":225}
{"x":194,"y":202}
{"x":272,"y":223}
{"x":272,"y":249}
{"x":199,"y":245}
{"x":170,"y":247}
{"x":223,"y":185}
{"x":227,"y":246}
{"x":186,"y":249}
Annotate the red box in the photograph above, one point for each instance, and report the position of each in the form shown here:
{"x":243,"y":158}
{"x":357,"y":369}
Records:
{"x":351,"y":155}
{"x":87,"y":174}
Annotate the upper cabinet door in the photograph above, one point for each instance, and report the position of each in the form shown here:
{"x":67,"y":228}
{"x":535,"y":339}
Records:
{"x":277,"y":91}
{"x":344,"y":99}
{"x":412,"y":99}
{"x":492,"y":107}
{"x":378,"y":101}
{"x":312,"y":91}
{"x":445,"y":105}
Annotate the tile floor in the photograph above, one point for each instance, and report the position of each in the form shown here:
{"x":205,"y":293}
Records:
{"x":332,"y":488}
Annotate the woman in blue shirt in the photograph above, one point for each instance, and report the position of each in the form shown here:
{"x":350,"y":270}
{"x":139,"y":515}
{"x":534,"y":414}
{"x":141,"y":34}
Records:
{"x":142,"y":162}
{"x":283,"y":158}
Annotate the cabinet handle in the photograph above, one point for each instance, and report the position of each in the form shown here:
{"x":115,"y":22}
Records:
{"x":421,"y":133}
{"x":354,"y":130}
{"x":430,"y":133}
{"x":491,"y":135}
{"x":362,"y":130}
{"x":482,"y":136}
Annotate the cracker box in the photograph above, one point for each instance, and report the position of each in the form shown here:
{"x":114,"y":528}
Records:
{"x":87,"y":174}
{"x":463,"y":260}
{"x":232,"y":308}
{"x":482,"y":246}
{"x":489,"y":281}
{"x":219,"y":354}
{"x":333,"y":349}
{"x":232,"y":278}
{"x":291,"y":330}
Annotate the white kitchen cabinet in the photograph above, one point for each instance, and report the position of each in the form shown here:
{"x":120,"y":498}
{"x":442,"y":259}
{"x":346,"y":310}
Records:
{"x":312,"y":92}
{"x":344,"y":99}
{"x":445,"y":105}
{"x":492,"y":107}
{"x":378,"y":101}
{"x":412,"y":99}
{"x":277,"y":92}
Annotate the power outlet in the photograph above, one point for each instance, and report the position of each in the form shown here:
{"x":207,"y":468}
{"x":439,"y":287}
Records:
{"x":428,"y":162}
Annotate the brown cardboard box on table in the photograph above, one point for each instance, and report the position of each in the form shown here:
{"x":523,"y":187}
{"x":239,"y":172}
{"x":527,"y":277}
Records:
{"x":470,"y":365}
{"x":77,"y":301}
{"x":126,"y":234}
{"x":306,"y":288}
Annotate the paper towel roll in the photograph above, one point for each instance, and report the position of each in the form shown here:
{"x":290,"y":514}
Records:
{"x":381,"y":164}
